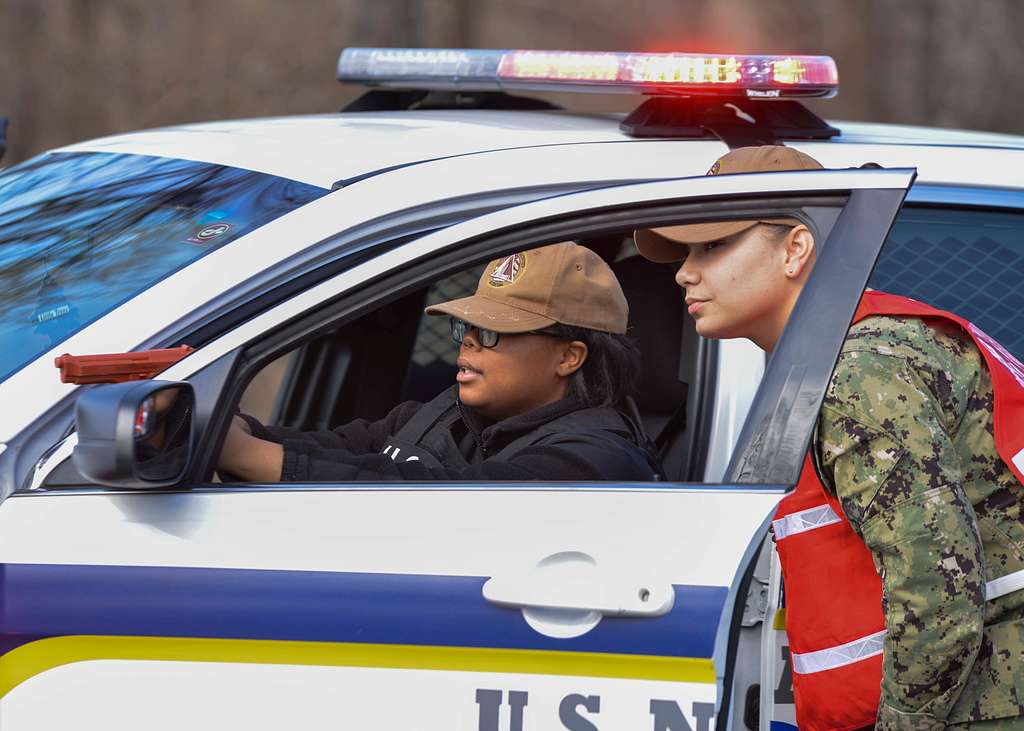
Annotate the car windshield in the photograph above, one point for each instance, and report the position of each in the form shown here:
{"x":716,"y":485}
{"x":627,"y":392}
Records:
{"x":81,"y":233}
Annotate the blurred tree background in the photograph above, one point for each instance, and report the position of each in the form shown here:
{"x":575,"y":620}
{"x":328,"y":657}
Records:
{"x":74,"y":69}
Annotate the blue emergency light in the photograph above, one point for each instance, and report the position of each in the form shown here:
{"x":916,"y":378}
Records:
{"x":655,"y":74}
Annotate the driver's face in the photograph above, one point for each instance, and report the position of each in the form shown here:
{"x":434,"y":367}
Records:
{"x":517,"y":375}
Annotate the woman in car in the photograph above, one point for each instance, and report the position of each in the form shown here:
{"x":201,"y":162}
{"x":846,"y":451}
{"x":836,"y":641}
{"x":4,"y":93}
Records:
{"x":902,"y":547}
{"x":544,"y":368}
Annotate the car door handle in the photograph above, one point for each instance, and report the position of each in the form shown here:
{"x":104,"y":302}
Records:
{"x":572,"y":580}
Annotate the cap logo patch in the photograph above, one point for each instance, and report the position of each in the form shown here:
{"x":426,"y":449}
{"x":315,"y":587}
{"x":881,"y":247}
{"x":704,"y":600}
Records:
{"x":508,"y":270}
{"x":715,"y":168}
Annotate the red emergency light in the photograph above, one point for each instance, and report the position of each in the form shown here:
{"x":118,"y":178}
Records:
{"x":683,"y":74}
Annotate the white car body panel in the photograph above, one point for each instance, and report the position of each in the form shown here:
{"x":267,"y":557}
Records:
{"x":427,"y":530}
{"x":689,"y":540}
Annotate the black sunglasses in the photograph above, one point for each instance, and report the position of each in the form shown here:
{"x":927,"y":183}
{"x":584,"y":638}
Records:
{"x":486,"y":338}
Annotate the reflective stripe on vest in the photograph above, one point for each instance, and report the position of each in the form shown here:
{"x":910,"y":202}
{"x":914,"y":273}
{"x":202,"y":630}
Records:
{"x":836,"y":657}
{"x":865,"y":647}
{"x":804,"y":520}
{"x":1004,"y":585}
{"x":1018,"y":460}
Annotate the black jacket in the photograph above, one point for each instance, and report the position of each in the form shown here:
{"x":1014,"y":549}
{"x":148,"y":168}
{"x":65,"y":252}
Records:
{"x":444,"y":440}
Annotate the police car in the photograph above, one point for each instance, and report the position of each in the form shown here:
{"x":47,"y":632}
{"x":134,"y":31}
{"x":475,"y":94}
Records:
{"x":294,"y":257}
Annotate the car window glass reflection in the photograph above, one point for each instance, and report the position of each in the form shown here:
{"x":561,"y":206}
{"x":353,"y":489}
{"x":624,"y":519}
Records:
{"x":967,"y":262}
{"x":81,"y":233}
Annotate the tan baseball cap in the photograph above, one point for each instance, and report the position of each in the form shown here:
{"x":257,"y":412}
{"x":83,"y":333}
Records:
{"x":561,"y":283}
{"x":665,"y":244}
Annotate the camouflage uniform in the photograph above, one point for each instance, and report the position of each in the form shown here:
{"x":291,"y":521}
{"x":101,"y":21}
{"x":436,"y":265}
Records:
{"x":905,"y":438}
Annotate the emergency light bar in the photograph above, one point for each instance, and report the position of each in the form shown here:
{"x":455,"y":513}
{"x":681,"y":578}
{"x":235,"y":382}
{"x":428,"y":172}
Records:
{"x":677,"y":74}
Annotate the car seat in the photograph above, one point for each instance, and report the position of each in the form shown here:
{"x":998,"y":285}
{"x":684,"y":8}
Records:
{"x":668,"y":345}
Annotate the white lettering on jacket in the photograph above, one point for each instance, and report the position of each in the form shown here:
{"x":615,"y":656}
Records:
{"x":392,"y":451}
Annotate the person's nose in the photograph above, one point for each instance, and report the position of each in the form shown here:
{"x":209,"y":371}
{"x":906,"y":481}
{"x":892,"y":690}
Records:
{"x":471,"y":340}
{"x":687,"y":275}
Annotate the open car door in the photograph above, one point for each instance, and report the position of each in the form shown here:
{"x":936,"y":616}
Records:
{"x":775,"y":437}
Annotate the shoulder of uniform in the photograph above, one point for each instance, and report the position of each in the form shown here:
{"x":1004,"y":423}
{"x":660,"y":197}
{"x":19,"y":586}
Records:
{"x":936,"y":350}
{"x":908,"y":337}
{"x":886,"y":334}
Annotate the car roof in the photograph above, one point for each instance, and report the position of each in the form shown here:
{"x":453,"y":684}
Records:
{"x":898,"y":134}
{"x":324,"y":149}
{"x":330,"y":149}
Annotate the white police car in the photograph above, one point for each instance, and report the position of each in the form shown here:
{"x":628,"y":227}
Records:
{"x":295,"y":255}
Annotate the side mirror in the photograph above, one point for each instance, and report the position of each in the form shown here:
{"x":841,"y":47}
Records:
{"x":134,"y":435}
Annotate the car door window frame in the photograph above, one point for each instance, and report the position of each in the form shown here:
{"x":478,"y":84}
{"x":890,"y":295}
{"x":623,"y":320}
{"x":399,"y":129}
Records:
{"x":385,"y":284}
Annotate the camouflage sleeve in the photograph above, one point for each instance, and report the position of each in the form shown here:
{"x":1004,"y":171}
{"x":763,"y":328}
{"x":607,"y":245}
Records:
{"x":885,"y":448}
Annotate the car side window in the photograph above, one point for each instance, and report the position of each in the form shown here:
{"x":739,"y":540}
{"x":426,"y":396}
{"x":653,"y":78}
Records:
{"x":970,"y":262}
{"x":326,"y":382}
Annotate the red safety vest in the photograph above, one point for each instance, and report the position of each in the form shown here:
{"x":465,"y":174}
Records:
{"x":833,"y":592}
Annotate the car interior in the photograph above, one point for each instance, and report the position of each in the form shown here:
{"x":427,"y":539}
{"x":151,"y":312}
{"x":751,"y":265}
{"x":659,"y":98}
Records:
{"x":396,"y":353}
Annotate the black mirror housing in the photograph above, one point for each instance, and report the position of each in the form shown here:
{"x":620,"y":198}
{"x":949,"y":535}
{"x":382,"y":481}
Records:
{"x":135,"y":435}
